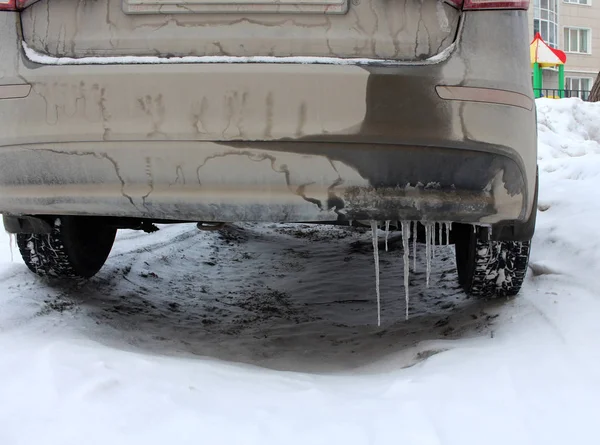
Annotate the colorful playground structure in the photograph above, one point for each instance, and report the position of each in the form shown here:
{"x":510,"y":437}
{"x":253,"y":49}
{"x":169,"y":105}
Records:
{"x":544,"y":56}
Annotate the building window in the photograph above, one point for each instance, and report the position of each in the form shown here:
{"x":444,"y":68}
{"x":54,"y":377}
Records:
{"x":579,"y":2}
{"x":578,"y":86}
{"x":577,"y":40}
{"x":545,"y":20}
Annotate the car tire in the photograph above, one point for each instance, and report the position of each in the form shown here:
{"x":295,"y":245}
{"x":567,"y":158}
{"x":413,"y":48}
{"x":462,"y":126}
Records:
{"x":491,"y":269}
{"x":77,"y":247}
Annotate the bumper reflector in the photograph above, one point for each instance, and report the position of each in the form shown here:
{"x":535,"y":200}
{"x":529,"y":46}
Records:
{"x":14,"y":91}
{"x":487,"y":95}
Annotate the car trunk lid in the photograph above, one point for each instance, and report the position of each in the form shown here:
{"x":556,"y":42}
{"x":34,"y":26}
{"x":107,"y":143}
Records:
{"x":404,"y":30}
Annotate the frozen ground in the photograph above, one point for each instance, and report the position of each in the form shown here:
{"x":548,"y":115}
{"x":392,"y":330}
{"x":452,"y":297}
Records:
{"x":267,"y":334}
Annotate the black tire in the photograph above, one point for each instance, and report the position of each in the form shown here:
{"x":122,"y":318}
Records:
{"x":76,"y":248}
{"x":490,"y":269}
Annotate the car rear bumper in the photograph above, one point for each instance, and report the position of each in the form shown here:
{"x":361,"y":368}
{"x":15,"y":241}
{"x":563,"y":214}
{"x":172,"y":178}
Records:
{"x":258,"y":181}
{"x":450,"y":139}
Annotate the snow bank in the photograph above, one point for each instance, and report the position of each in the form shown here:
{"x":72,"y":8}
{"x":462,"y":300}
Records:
{"x":569,"y":129}
{"x":569,"y":163}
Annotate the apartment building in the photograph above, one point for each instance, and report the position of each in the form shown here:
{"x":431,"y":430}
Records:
{"x":574,"y":27}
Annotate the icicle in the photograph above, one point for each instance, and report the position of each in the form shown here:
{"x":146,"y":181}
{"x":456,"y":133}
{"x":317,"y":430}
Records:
{"x":447,"y":226}
{"x":432,"y":246}
{"x":414,"y":234}
{"x":387,"y":234}
{"x":350,"y":223}
{"x":376,"y":257}
{"x":405,"y":252}
{"x":428,"y":249}
{"x":11,"y":241}
{"x":440,"y":234}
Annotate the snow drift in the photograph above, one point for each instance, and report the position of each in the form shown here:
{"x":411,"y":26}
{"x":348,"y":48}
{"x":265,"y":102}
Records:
{"x":569,"y":208}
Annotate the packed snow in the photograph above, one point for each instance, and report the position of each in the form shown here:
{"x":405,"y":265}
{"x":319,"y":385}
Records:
{"x":45,"y":59}
{"x":266,"y":333}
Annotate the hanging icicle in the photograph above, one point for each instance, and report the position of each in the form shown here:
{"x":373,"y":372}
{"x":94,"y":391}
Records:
{"x":406,"y":257}
{"x":433,"y":235}
{"x":428,"y":249}
{"x":11,"y":241}
{"x":376,"y":257}
{"x":433,"y":241}
{"x":387,"y":234}
{"x":415,"y":235}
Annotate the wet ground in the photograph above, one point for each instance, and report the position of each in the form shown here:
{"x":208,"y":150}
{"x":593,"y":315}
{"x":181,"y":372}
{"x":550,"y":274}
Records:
{"x":290,"y":297}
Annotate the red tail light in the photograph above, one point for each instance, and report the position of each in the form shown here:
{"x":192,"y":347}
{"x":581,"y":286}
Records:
{"x":469,"y":5}
{"x":494,"y":4}
{"x":15,"y":5}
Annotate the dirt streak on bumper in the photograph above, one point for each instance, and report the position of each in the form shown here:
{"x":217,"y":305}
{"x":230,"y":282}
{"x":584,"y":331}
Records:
{"x":216,"y":182}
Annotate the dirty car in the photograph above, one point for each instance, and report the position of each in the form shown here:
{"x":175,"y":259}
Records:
{"x":123,"y":114}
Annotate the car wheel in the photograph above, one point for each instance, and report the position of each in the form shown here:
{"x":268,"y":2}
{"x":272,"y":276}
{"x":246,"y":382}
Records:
{"x":77,"y":247}
{"x":490,"y":269}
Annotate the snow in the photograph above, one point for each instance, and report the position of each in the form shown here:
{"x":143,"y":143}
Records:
{"x":45,"y":59}
{"x":569,"y":162}
{"x":265,"y":334}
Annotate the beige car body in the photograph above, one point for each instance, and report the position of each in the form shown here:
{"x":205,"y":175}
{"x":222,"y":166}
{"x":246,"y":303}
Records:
{"x":388,"y":110}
